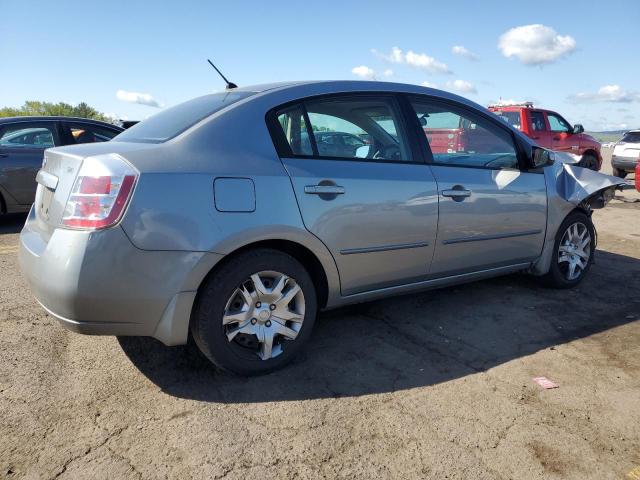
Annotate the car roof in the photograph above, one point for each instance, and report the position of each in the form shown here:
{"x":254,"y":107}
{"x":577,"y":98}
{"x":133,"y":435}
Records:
{"x":4,"y":120}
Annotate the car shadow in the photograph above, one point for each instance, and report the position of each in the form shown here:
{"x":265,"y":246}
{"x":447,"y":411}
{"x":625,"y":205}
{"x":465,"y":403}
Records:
{"x":411,"y":341}
{"x":12,"y":222}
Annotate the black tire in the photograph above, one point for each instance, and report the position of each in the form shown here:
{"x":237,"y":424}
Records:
{"x":589,"y":161}
{"x":206,"y":320}
{"x":557,"y":277}
{"x":619,"y":173}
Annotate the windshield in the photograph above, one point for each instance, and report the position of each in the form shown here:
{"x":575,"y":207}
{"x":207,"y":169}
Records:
{"x":175,"y":120}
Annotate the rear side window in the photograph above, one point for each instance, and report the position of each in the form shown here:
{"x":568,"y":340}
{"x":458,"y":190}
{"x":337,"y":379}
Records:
{"x":475,"y":142}
{"x":171,"y":122}
{"x":28,"y":135}
{"x":87,"y":133}
{"x":346,"y":128}
{"x":512,"y":118}
{"x":537,"y":121}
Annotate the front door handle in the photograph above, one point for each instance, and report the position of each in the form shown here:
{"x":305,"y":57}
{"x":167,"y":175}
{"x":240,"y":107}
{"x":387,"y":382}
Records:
{"x":324,"y":190}
{"x":458,"y":192}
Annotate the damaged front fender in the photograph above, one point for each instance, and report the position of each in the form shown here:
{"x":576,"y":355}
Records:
{"x":570,"y":187}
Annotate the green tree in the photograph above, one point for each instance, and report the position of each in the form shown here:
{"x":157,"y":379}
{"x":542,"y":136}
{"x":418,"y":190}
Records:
{"x":34,"y":107}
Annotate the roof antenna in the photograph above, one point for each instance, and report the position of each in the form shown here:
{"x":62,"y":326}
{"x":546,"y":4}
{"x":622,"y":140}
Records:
{"x":230,"y":85}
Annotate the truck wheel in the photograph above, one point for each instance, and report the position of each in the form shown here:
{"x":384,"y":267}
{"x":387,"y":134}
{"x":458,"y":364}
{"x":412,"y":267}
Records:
{"x":255,"y":313}
{"x":619,"y":173}
{"x":588,"y":161}
{"x":573,"y":251}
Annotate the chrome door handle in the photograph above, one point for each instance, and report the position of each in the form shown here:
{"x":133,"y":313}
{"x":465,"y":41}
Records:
{"x":324,"y":189}
{"x":456,"y":193}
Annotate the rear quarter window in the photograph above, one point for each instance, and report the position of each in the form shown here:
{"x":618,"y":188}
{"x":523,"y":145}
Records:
{"x":173,"y":121}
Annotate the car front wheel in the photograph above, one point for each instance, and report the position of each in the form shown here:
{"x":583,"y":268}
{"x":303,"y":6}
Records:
{"x":573,"y":251}
{"x":255,"y":313}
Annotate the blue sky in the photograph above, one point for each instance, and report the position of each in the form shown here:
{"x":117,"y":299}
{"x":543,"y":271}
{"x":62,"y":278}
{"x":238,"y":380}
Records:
{"x":580,"y":60}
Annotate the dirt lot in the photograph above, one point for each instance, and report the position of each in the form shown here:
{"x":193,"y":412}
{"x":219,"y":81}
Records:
{"x":436,"y":385}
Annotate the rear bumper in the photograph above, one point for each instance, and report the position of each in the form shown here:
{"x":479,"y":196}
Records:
{"x":628,"y":164}
{"x":99,"y":283}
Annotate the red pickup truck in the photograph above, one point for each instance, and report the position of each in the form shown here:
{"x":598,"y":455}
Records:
{"x":551,"y":131}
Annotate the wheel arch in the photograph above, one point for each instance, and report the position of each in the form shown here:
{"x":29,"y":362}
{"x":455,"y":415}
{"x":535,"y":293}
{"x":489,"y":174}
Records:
{"x":301,"y":253}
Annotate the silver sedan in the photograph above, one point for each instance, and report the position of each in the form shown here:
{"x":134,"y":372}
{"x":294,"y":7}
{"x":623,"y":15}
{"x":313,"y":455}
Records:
{"x":236,"y":217}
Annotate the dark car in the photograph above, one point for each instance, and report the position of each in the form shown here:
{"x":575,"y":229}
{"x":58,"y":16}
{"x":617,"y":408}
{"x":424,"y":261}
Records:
{"x":22,"y":144}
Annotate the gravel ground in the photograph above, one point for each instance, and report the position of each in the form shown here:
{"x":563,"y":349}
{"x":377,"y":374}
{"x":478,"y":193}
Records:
{"x":434,"y":385}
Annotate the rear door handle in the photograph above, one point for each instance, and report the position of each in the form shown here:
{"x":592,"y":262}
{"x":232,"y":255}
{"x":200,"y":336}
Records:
{"x":324,"y":190}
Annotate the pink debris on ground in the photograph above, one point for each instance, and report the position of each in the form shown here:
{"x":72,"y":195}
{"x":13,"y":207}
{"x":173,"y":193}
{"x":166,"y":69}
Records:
{"x":544,"y":382}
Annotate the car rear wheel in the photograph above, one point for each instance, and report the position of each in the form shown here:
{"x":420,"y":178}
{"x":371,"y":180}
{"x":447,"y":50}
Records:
{"x":255,"y":313}
{"x":573,"y":251}
{"x":588,"y":161}
{"x":619,"y":173}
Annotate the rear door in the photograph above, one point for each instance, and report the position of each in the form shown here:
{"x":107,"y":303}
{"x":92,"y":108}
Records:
{"x":22,"y":146}
{"x":376,"y":208}
{"x":492,"y":212}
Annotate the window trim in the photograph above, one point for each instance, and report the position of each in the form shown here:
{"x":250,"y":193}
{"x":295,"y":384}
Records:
{"x":283,"y":149}
{"x":426,"y":148}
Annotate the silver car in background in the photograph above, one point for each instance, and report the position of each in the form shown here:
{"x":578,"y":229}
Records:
{"x":230,"y":218}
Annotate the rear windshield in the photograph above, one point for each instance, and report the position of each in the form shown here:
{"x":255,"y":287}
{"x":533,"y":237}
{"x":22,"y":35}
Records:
{"x":175,"y":120}
{"x":631,"y":137}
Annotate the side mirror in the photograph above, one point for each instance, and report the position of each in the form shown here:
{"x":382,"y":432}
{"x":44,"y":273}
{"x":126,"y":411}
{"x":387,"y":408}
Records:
{"x":577,"y":128}
{"x":541,"y":157}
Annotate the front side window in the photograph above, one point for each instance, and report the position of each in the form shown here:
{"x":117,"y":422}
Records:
{"x":27,"y":135}
{"x":537,"y":121}
{"x":87,"y":133}
{"x":557,"y":123}
{"x":464,"y":139}
{"x":365,"y":128}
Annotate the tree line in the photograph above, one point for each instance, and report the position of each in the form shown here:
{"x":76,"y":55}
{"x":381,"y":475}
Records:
{"x":37,"y":108}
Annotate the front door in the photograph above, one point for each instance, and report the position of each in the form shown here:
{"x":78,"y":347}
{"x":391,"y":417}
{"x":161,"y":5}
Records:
{"x":562,"y":134}
{"x":22,"y":148}
{"x":492,"y":212}
{"x":375,"y":206}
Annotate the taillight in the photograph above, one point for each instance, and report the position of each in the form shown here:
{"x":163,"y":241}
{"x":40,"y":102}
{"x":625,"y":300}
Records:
{"x":100,"y":193}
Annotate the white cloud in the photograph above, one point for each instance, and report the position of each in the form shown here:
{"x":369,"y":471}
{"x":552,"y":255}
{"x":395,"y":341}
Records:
{"x":388,"y":73}
{"x":535,"y":44}
{"x":463,"y":52}
{"x":608,"y":93}
{"x":364,"y":72}
{"x":429,"y":85}
{"x":135,"y":97}
{"x":413,"y":59}
{"x":461,"y":86}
